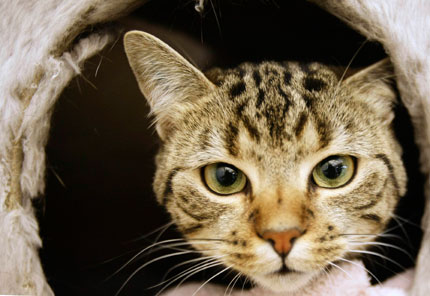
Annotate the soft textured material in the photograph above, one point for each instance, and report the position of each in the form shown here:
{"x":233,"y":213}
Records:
{"x":348,"y":279}
{"x":39,"y":56}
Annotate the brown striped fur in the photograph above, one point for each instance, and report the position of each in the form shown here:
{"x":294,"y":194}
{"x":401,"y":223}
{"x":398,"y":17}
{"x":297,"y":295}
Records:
{"x":275,"y":121}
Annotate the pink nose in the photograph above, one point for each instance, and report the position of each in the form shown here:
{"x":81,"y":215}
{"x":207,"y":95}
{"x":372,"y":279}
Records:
{"x":282,"y":241}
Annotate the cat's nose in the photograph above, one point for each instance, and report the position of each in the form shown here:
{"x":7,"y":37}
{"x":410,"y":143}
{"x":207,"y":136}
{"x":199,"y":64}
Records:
{"x":282,"y":241}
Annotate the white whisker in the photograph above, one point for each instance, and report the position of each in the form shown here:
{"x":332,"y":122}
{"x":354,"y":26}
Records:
{"x":190,"y":272}
{"x":149,"y":262}
{"x":162,"y":228}
{"x":336,"y":90}
{"x":174,"y":243}
{"x":199,"y":269}
{"x":191,"y":261}
{"x":403,"y":229}
{"x":358,"y":235}
{"x":385,"y":245}
{"x":362,"y":267}
{"x":182,"y":242}
{"x":244,"y":283}
{"x":232,"y":283}
{"x":340,"y":268}
{"x":329,"y":276}
{"x":377,"y":255}
{"x":206,"y":260}
{"x":211,"y":278}
{"x":386,"y":268}
{"x":351,"y":60}
{"x":406,"y":221}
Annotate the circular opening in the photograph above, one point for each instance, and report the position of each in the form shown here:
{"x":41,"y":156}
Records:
{"x":99,"y":201}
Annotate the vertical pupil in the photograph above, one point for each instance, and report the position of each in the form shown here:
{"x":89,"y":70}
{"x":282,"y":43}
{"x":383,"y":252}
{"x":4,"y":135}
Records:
{"x":226,"y":175}
{"x":333,"y":168}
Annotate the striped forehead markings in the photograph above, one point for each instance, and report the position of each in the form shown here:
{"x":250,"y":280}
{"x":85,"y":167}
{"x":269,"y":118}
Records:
{"x":300,"y":125}
{"x":260,"y":98}
{"x":321,"y":125}
{"x":324,"y":132}
{"x":276,"y":77}
{"x":287,"y":77}
{"x":247,"y":122}
{"x":314,"y":84}
{"x":230,"y":138}
{"x":257,"y":77}
{"x":237,"y":89}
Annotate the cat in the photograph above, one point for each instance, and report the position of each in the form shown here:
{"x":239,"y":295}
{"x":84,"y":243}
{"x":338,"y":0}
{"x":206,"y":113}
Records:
{"x":278,"y":170}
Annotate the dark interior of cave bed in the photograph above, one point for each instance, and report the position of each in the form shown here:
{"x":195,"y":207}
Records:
{"x":99,"y":205}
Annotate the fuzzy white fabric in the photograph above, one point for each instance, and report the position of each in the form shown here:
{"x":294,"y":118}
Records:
{"x":38,"y":58}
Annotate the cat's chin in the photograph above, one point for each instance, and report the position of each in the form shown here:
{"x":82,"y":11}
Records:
{"x":288,"y":282}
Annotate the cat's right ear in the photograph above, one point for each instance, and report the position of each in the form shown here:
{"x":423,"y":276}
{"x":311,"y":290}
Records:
{"x":374,"y":86}
{"x":165,"y":78}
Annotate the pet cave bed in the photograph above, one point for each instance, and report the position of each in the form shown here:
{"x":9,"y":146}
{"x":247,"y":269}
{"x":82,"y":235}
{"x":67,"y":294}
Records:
{"x":43,"y":48}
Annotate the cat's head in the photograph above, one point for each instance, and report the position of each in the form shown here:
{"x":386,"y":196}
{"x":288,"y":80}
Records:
{"x":277,"y":170}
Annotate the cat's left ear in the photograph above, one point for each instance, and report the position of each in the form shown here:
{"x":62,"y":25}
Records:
{"x":374,"y":86}
{"x":166,"y":79}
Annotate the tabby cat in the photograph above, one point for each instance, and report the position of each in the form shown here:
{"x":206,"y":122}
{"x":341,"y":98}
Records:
{"x":278,"y":169}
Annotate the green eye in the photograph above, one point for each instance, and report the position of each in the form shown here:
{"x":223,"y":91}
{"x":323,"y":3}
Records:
{"x":334,"y":171}
{"x":223,"y":178}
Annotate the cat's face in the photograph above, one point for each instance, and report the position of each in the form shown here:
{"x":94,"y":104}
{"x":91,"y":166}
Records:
{"x":277,"y":170}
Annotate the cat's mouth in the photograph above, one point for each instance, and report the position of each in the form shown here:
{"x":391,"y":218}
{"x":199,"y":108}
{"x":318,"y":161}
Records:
{"x":285,"y":270}
{"x":284,"y":279}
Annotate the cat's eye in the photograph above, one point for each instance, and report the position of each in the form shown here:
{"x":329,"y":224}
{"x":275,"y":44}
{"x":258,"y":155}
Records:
{"x":223,"y":178}
{"x":334,"y":171}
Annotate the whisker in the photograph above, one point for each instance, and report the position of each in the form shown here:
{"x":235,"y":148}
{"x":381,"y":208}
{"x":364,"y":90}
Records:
{"x":209,"y":259}
{"x":125,"y":253}
{"x":188,"y":262}
{"x":161,"y":245}
{"x":329,"y":276}
{"x":140,"y":253}
{"x":407,"y":221}
{"x":162,"y":228}
{"x":385,"y":245}
{"x":148,"y":263}
{"x":375,"y":246}
{"x":340,"y":268}
{"x":384,"y":235}
{"x":351,"y":60}
{"x":386,"y":268}
{"x":189,"y":273}
{"x":244,"y":283}
{"x":216,"y":18}
{"x":403,"y":230}
{"x":199,"y":269}
{"x":363,"y":267}
{"x":377,"y":255}
{"x":211,"y":278}
{"x":336,"y":90}
{"x":232,"y":283}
